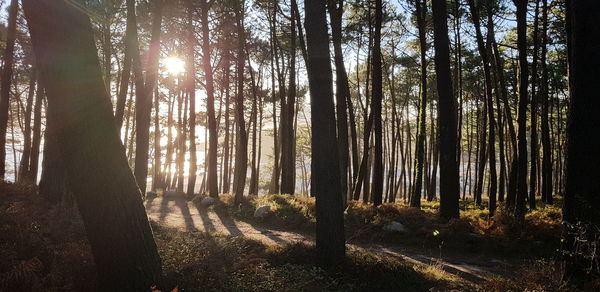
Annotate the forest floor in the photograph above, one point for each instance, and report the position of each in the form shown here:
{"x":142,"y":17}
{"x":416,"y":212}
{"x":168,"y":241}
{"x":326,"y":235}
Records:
{"x":473,"y":258}
{"x":224,"y":248}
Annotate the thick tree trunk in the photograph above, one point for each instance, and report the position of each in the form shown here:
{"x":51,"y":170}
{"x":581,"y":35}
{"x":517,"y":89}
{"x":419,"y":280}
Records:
{"x":582,"y":204}
{"x":325,"y":165}
{"x":109,"y":200}
{"x":7,"y":72}
{"x":449,"y":181}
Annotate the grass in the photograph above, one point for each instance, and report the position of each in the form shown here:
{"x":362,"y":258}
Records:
{"x":44,"y":248}
{"x":501,"y":234}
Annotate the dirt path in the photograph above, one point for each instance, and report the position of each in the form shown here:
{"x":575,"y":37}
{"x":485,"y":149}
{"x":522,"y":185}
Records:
{"x":178,"y":213}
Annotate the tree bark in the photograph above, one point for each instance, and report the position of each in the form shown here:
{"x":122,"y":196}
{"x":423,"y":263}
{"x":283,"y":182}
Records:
{"x":7,"y":72}
{"x":523,"y":85}
{"x":415,"y":200}
{"x":449,"y":180}
{"x":325,"y":184}
{"x":143,"y":101}
{"x":109,"y":200}
{"x":376,"y":100}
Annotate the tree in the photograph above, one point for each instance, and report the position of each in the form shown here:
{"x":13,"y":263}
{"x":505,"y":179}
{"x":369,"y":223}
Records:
{"x":523,"y":84}
{"x":415,"y":200}
{"x":143,"y":101}
{"x":7,"y":72}
{"x":213,"y":188}
{"x":325,"y":160}
{"x":106,"y":192}
{"x":449,"y":181}
{"x":582,"y":204}
{"x":288,"y":159}
{"x":483,"y":52}
{"x":342,"y":90}
{"x":191,"y":91}
{"x":377,"y":187}
{"x":241,"y":150}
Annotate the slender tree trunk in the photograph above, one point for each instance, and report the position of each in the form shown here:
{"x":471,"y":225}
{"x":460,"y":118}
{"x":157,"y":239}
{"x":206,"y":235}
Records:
{"x":107,"y":195}
{"x":489,"y":106}
{"x":36,"y":130}
{"x":288,"y":161}
{"x":415,"y":201}
{"x":213,"y":189}
{"x":191,"y":89}
{"x":7,"y":72}
{"x":241,"y":150}
{"x":534,"y":148}
{"x":546,"y":142}
{"x":342,"y":92}
{"x":376,"y":100}
{"x":523,"y":85}
{"x":24,"y":174}
{"x":143,"y":102}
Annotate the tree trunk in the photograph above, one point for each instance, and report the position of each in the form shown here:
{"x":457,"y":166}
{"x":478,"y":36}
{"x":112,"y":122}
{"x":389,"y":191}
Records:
{"x":449,"y":180}
{"x":415,"y":200}
{"x":342,"y":92}
{"x":523,"y":85}
{"x":109,"y":200}
{"x":213,"y":189}
{"x":241,"y":150}
{"x":288,"y":161}
{"x":582,"y":186}
{"x":7,"y":72}
{"x":191,"y":89}
{"x":24,"y":174}
{"x":489,"y":106}
{"x":143,"y":101}
{"x":325,"y":160}
{"x":376,"y":100}
{"x":546,"y":142}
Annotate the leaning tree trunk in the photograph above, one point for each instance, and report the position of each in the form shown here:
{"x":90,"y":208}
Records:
{"x":325,"y":165}
{"x":108,"y":197}
{"x":449,"y":181}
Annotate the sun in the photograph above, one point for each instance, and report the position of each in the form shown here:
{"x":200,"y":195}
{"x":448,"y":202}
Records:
{"x":174,"y":65}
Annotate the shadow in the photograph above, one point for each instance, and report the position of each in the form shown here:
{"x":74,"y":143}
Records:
{"x":164,"y":209}
{"x":417,"y":259}
{"x":206,"y":222}
{"x":187,"y":216}
{"x":149,"y":200}
{"x":266,"y":232}
{"x":228,"y":222}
